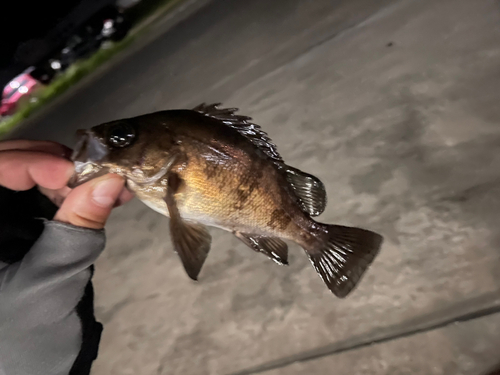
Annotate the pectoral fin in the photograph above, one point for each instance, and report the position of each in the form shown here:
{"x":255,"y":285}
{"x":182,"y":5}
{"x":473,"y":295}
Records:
{"x":191,"y":240}
{"x":274,"y":248}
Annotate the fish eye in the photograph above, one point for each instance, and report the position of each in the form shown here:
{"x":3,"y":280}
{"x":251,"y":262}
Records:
{"x":121,"y":135}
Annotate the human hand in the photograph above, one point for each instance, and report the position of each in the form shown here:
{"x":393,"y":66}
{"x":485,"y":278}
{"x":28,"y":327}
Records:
{"x":25,"y":164}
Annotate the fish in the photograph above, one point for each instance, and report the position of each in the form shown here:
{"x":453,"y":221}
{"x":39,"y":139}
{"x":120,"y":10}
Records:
{"x":210,"y":166}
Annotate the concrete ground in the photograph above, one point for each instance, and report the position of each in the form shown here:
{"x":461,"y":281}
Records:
{"x":394,"y":104}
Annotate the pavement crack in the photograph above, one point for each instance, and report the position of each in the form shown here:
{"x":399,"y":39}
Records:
{"x":373,"y":338}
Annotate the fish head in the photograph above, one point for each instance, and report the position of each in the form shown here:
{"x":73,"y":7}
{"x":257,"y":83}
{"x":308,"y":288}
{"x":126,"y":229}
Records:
{"x":136,"y":150}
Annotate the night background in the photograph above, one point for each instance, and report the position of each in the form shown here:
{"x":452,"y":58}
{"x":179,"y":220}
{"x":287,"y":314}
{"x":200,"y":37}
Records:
{"x":25,"y":21}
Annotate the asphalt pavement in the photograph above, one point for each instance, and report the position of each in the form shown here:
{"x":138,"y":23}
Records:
{"x":393,"y":104}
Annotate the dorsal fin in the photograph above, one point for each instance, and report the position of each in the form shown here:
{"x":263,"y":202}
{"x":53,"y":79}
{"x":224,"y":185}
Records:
{"x":309,"y":189}
{"x":243,"y":125}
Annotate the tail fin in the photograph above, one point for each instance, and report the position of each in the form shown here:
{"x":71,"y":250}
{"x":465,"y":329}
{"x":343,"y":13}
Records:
{"x":343,"y":258}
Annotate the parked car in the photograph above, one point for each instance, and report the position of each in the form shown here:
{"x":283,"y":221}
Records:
{"x":107,"y":23}
{"x":78,"y":47}
{"x":18,"y":91}
{"x":116,"y":26}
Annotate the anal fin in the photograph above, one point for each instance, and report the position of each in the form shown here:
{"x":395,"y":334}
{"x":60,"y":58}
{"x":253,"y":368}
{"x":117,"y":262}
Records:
{"x":274,"y":248}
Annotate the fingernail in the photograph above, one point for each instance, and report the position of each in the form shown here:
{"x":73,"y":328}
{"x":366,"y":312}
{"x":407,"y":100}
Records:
{"x":107,"y":191}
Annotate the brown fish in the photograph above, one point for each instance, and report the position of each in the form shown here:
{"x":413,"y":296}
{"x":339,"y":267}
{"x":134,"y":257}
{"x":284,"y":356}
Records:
{"x":209,"y":166}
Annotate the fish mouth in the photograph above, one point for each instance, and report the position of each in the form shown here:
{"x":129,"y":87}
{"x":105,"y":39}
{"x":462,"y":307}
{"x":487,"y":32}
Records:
{"x":87,"y":157}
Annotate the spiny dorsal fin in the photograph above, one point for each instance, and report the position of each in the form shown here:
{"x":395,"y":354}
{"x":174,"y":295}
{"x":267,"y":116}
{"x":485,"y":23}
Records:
{"x":243,"y":125}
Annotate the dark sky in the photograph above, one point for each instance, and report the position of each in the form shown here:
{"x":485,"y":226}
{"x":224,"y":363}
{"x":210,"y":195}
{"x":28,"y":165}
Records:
{"x":21,"y":20}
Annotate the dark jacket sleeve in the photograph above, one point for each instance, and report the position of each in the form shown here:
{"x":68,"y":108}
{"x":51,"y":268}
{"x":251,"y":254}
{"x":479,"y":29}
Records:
{"x":47,"y":323}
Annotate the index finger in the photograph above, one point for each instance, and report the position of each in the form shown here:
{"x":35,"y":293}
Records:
{"x":22,"y":170}
{"x":43,"y":146}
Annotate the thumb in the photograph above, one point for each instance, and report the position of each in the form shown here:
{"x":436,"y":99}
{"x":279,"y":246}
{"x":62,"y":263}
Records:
{"x":90,"y":204}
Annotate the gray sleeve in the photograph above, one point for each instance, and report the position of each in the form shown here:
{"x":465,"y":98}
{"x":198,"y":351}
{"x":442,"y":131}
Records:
{"x":40,"y":332}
